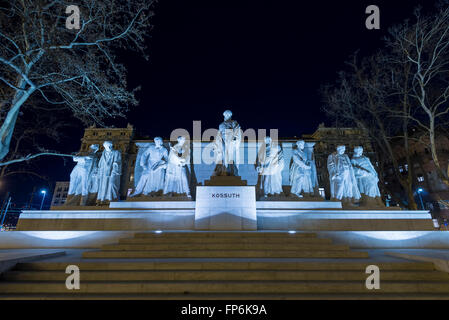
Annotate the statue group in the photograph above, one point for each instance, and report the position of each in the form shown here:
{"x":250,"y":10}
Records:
{"x":96,"y":179}
{"x":352,"y":179}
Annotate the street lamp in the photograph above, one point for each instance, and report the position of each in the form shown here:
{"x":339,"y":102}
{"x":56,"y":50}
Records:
{"x":43,"y":192}
{"x":420,"y":190}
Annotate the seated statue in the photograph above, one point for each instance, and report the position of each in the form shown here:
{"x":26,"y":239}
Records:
{"x":109,"y":172}
{"x":269,"y":166}
{"x":365,"y":174}
{"x":80,"y":177}
{"x":154,"y":163}
{"x":300,"y":172}
{"x":341,"y":176}
{"x":176,"y":181}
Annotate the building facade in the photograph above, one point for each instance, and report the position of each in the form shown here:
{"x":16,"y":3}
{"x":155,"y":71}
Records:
{"x":60,"y":193}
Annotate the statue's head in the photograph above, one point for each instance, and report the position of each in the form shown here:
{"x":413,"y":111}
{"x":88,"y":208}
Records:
{"x":227,"y":114}
{"x":358,"y":151}
{"x":300,"y":144}
{"x":94,"y":147}
{"x":181,"y":140}
{"x":268,"y":140}
{"x":107,"y":145}
{"x":158,"y":141}
{"x":341,"y":149}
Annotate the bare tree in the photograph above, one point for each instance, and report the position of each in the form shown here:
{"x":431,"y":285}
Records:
{"x":77,"y":69}
{"x":423,"y":48}
{"x":365,"y":96}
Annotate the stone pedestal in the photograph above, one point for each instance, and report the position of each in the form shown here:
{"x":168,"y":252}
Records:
{"x":224,"y":207}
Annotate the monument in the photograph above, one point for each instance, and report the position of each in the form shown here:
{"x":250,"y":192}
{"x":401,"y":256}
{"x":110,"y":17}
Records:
{"x":269,"y":167}
{"x":227,"y":146}
{"x":225,"y":202}
{"x":366,"y":177}
{"x":83,"y":179}
{"x":109,"y":172}
{"x":341,"y":175}
{"x":301,"y":172}
{"x":176,"y":178}
{"x":153,"y":163}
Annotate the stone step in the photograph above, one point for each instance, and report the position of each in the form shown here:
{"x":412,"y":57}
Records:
{"x":225,"y":265}
{"x":222,"y":246}
{"x":274,"y":240}
{"x":227,"y":275}
{"x":225,"y":287}
{"x":225,"y":234}
{"x":225,"y":254}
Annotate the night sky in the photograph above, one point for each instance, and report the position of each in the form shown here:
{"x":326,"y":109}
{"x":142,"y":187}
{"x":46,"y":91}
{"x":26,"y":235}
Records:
{"x":264,"y":60}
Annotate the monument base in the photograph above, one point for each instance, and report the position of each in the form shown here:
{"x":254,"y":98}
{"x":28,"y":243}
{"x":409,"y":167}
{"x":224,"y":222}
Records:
{"x":225,"y":208}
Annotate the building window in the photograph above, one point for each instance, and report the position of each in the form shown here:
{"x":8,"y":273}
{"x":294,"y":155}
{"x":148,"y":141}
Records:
{"x":401,"y":169}
{"x":420,"y":178}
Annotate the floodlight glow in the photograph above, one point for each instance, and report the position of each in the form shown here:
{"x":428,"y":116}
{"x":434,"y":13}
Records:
{"x":292,"y":232}
{"x":43,"y":191}
{"x":420,"y":190}
{"x":158,"y":231}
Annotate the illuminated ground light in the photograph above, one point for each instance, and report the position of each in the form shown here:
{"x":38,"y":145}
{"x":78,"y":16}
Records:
{"x":59,"y":235}
{"x":292,"y":232}
{"x":394,"y":235}
{"x":158,"y":231}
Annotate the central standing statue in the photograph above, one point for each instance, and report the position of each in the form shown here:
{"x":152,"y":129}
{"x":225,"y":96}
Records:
{"x":226,"y":146}
{"x":341,"y":176}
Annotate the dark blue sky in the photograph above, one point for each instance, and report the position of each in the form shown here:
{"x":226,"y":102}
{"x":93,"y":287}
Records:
{"x":266,"y":60}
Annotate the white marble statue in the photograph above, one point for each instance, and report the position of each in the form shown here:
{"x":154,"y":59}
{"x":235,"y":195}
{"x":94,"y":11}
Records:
{"x":300,"y":171}
{"x":81,"y":173}
{"x":109,"y":172}
{"x":269,"y":166}
{"x":365,"y":174}
{"x":153,"y":162}
{"x":341,"y":176}
{"x":227,"y":146}
{"x":176,"y":178}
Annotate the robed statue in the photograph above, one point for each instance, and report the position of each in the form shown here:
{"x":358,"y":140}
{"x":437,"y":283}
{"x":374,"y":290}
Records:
{"x":269,"y":166}
{"x":153,"y":162}
{"x":109,"y":172}
{"x":341,"y":176}
{"x":176,"y":177}
{"x":227,"y":146}
{"x":301,"y":171}
{"x":365,"y":174}
{"x":82,"y":177}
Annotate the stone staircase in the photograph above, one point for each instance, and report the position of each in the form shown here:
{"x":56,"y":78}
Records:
{"x":224,"y":265}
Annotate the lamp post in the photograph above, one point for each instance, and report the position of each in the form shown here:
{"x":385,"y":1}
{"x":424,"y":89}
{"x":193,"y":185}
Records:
{"x":43,"y":192}
{"x":420,"y":190}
